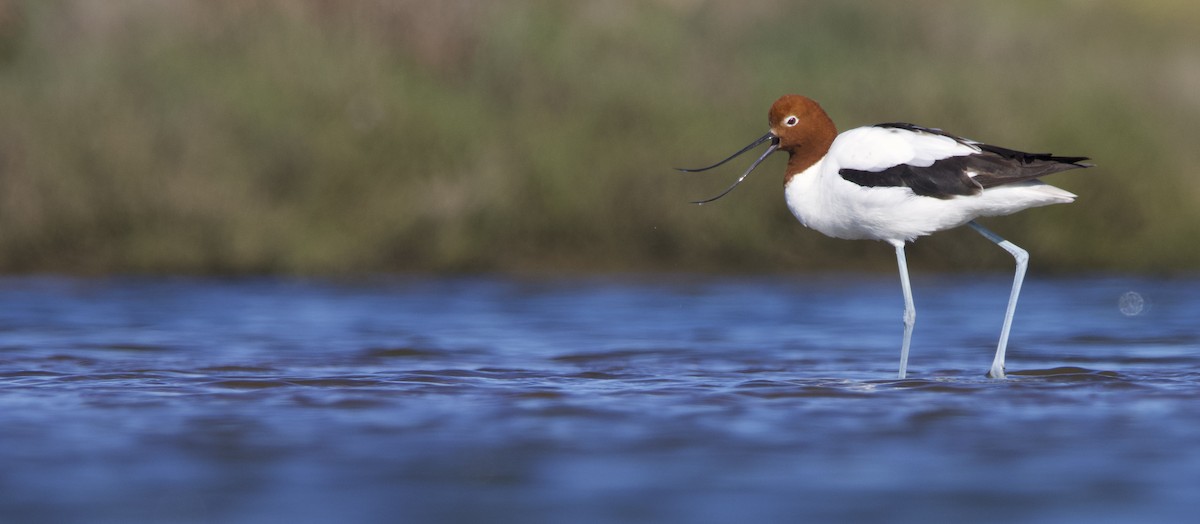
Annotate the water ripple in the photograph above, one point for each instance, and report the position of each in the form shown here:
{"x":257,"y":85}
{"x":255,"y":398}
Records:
{"x":268,"y":400}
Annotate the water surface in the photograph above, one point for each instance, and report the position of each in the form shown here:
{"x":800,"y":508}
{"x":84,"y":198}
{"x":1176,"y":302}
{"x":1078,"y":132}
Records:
{"x":658,"y":398}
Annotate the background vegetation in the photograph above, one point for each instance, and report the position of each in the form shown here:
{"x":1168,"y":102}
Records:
{"x":323,"y":137}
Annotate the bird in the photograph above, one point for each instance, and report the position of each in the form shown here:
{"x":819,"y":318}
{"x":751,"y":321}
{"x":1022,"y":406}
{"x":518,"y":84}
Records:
{"x":895,"y":182}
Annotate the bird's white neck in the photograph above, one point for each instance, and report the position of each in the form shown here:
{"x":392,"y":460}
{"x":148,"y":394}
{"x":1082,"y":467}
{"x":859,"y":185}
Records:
{"x":801,"y":193}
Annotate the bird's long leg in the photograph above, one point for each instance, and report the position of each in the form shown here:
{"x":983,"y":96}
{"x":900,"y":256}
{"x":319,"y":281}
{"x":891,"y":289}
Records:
{"x":910,"y":312}
{"x":1022,"y":258}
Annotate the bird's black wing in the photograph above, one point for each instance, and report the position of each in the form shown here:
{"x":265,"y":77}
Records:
{"x":963,"y":175}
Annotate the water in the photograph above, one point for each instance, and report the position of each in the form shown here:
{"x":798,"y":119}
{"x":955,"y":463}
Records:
{"x":652,"y":399}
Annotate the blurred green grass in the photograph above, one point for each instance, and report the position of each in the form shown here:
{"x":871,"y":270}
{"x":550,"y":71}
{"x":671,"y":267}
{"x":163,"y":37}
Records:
{"x":315,"y":137}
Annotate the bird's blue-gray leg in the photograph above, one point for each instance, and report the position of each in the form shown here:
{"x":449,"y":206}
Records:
{"x":1022,"y":258}
{"x":910,"y":312}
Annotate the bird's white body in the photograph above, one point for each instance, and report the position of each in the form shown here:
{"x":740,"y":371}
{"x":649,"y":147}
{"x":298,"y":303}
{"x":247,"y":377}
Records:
{"x":822,"y":200}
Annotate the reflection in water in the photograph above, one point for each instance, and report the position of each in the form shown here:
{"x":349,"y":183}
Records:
{"x":675,"y":400}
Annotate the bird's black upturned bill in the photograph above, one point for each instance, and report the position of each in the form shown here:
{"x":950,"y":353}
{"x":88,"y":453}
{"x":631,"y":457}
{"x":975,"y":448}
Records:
{"x":752,"y":145}
{"x":770,"y":149}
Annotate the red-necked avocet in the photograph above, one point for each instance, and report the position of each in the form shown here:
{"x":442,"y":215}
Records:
{"x":896,"y":182}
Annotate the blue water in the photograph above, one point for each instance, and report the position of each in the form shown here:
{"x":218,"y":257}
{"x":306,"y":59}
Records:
{"x":622,"y":399}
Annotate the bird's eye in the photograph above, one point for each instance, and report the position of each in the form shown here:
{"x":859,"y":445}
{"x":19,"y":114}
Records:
{"x":791,"y":121}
